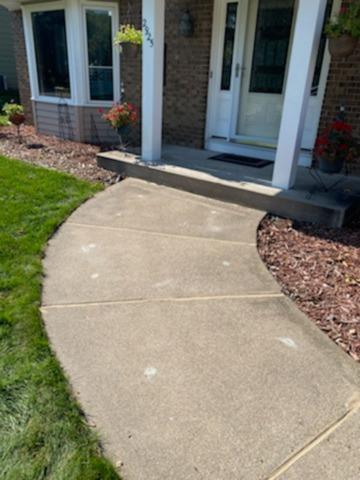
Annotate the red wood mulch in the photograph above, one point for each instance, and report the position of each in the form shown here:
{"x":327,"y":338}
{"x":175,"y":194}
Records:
{"x":318,"y":268}
{"x":78,"y":159}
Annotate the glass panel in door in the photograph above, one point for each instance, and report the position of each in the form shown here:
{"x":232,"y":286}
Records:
{"x":268,"y":40}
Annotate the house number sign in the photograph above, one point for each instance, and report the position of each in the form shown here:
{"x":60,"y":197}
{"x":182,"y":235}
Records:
{"x":147,"y":33}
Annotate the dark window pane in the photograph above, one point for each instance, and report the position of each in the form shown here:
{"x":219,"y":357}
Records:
{"x":229,"y":46}
{"x":99,"y":41}
{"x":101,"y":83}
{"x":99,"y":38}
{"x":321,"y":52}
{"x":51,"y":53}
{"x":272,"y":38}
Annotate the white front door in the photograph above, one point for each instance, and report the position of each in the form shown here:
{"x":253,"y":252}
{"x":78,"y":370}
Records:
{"x":250,"y":56}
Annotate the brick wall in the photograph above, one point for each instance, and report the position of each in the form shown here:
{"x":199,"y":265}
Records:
{"x":131,"y":72}
{"x":187,"y":73}
{"x":21,"y":64}
{"x":343,"y":89}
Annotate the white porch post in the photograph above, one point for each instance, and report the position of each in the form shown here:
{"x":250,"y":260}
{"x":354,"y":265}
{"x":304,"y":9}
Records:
{"x":152,"y":78}
{"x":308,"y":28}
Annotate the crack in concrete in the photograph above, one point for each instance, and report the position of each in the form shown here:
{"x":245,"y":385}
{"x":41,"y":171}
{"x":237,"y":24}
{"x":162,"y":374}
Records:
{"x":161,"y":234}
{"x":353,"y":406}
{"x":164,"y":300}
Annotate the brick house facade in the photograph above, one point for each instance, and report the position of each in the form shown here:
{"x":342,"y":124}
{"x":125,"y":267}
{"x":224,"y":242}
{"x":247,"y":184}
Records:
{"x":22,"y":69}
{"x":187,"y":72}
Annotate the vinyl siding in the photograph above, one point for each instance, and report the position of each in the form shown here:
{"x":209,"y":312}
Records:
{"x":82,"y":124}
{"x":95,"y":130}
{"x":7,"y":54}
{"x":57,"y":119}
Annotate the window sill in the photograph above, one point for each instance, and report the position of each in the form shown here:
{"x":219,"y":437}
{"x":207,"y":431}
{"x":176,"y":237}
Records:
{"x":54,"y":100}
{"x":70,"y":102}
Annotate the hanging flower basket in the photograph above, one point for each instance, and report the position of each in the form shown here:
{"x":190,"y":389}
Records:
{"x":342,"y":46}
{"x":129,"y":39}
{"x":130,"y":50}
{"x":343,"y":31}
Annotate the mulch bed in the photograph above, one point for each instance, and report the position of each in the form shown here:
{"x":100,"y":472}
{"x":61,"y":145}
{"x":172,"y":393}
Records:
{"x":78,"y":159}
{"x":318,"y":268}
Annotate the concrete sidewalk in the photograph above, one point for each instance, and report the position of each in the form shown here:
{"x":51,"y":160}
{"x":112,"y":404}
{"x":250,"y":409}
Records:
{"x":183,"y":351}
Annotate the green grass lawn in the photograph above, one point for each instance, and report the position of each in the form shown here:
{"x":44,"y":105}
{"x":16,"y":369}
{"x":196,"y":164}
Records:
{"x":43,"y":434}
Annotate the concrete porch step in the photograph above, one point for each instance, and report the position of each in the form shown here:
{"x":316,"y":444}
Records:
{"x":330,"y":209}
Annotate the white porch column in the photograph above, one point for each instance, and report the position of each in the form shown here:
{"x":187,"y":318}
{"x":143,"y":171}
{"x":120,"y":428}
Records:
{"x":308,"y":28}
{"x":152,"y":78}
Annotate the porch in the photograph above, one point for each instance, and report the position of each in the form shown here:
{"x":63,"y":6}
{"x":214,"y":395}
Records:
{"x":284,"y":187}
{"x":195,"y":171}
{"x":287,"y":124}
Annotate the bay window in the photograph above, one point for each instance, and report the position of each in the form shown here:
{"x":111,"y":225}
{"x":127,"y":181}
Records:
{"x":70,"y":51}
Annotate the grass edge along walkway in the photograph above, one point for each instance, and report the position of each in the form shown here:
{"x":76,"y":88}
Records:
{"x":43,"y":432}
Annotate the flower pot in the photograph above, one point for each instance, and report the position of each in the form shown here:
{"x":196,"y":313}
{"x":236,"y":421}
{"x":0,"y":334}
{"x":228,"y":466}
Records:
{"x":130,"y":50}
{"x":331,"y":166}
{"x":122,"y":132}
{"x":17,"y":118}
{"x":342,"y":46}
{"x":125,"y":130}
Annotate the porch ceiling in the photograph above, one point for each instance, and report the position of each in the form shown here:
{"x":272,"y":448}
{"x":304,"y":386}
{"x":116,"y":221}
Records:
{"x":11,"y":4}
{"x":16,"y":4}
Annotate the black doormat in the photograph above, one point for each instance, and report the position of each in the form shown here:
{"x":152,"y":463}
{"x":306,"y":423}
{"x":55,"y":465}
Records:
{"x":240,"y":160}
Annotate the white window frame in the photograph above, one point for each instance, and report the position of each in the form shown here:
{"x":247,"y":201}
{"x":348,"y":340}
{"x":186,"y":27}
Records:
{"x":114,"y":9}
{"x":76,"y":48}
{"x":30,"y":50}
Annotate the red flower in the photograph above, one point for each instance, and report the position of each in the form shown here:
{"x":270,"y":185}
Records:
{"x":336,"y":142}
{"x":341,"y":126}
{"x":121,"y":115}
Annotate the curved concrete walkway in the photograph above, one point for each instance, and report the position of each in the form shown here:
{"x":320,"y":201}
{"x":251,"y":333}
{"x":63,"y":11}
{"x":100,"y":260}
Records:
{"x":184,"y":353}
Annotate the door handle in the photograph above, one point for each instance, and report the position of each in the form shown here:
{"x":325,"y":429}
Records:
{"x":239,"y":69}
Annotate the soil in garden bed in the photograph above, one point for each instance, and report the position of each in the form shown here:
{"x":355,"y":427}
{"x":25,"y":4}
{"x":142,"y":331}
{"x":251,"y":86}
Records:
{"x":78,"y":159}
{"x":318,"y":268}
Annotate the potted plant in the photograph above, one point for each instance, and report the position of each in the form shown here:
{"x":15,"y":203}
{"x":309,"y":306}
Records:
{"x":129,"y":38}
{"x":335,"y":146}
{"x":343,"y":30}
{"x":15,"y":114}
{"x":121,"y":117}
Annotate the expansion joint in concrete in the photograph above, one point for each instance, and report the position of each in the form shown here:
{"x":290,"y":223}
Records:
{"x":353,"y":407}
{"x":250,"y":296}
{"x":160,"y":234}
